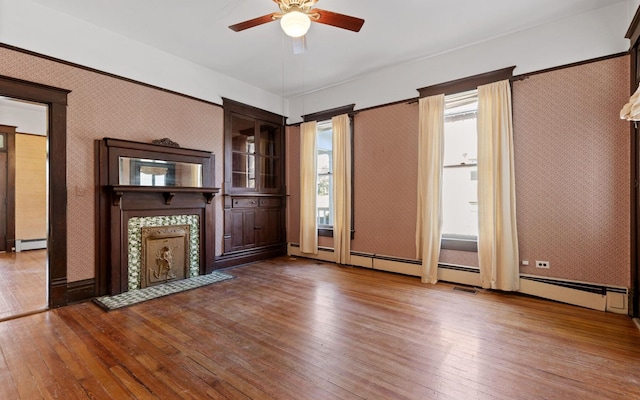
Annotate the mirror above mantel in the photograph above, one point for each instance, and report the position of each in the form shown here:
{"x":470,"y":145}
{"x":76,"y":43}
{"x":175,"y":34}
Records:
{"x":135,"y":171}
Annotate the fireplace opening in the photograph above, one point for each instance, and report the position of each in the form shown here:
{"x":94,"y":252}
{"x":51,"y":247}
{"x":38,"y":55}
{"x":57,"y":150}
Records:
{"x":164,"y":254}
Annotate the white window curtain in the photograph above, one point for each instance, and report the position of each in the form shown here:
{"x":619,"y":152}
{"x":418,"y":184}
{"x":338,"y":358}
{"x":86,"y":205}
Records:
{"x":430,"y":154}
{"x":308,"y":188}
{"x":342,"y":188}
{"x":497,"y":232}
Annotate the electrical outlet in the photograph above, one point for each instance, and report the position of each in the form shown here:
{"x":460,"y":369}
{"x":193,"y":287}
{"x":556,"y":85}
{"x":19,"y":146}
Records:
{"x":543,"y":264}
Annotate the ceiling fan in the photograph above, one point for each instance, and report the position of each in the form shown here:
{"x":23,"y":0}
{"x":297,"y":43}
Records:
{"x":296,"y":17}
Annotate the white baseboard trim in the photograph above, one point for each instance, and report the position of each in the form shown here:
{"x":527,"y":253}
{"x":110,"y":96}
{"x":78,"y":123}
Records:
{"x":324,"y":253}
{"x":464,"y":277}
{"x":564,"y":295}
{"x":598,"y":297}
{"x":32,"y":244}
{"x":397,"y":265}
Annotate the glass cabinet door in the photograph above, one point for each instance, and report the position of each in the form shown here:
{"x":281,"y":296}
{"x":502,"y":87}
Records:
{"x":243,"y":153}
{"x":254,"y":150}
{"x":269,"y":150}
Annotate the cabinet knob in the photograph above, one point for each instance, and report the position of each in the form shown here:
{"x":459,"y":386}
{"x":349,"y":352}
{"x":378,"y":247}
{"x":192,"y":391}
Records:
{"x":257,"y":227}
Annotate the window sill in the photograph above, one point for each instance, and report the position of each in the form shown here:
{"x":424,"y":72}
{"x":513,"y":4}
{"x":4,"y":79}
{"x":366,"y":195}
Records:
{"x":459,"y":244}
{"x":328,"y":232}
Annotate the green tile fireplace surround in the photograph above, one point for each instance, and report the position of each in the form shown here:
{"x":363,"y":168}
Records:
{"x":135,"y":226}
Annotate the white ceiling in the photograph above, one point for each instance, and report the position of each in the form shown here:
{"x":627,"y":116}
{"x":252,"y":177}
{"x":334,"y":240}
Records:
{"x":395,"y":32}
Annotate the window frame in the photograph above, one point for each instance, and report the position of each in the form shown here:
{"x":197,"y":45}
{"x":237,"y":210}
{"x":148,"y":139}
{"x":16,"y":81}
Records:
{"x":321,"y":117}
{"x":458,"y":86}
{"x":453,"y":241}
{"x":329,"y":174}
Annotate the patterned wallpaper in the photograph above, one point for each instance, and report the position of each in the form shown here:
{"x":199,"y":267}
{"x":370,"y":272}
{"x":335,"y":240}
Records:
{"x":102,"y":106}
{"x":572,"y":176}
{"x":572,"y":172}
{"x":384,"y":177}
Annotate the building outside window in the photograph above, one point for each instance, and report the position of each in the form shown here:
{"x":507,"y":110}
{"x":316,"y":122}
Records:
{"x":460,"y":167}
{"x":324,"y":199}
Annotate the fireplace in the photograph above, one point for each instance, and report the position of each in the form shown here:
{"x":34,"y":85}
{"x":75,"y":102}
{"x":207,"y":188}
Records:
{"x":162,"y":249}
{"x":164,"y":255}
{"x":156,"y":216}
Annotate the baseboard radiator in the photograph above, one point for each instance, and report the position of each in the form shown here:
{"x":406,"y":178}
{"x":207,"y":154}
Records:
{"x":30,"y":244}
{"x":597,"y":297}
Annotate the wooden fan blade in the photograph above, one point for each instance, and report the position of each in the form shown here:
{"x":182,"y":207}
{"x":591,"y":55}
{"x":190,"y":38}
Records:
{"x":253,"y":22}
{"x":338,"y":20}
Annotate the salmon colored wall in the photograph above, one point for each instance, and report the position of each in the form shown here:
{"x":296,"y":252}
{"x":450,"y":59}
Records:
{"x":102,"y":106}
{"x":572,"y":175}
{"x":572,"y":172}
{"x":385,"y":154}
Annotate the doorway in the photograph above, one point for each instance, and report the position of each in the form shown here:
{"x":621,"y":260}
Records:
{"x":23,"y":216}
{"x":56,"y":101}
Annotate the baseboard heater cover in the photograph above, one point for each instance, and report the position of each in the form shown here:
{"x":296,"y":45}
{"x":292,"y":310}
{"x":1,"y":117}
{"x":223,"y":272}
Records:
{"x":599,"y":297}
{"x":30,"y":244}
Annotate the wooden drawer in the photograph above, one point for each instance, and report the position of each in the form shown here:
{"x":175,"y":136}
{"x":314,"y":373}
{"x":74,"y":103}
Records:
{"x":273,"y":202}
{"x":244,"y":203}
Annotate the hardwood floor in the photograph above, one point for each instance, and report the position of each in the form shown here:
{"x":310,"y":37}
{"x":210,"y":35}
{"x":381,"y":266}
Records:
{"x":23,"y":283}
{"x":299,"y":329}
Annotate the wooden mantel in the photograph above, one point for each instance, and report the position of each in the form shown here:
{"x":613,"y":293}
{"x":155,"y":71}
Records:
{"x":168,"y":192}
{"x":117,"y":203}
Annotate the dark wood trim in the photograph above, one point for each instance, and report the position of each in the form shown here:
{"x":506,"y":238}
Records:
{"x":11,"y":190}
{"x":103,"y":235}
{"x":168,"y":192}
{"x":328,"y":114}
{"x":468,"y":83}
{"x":575,"y":64}
{"x":10,"y":135}
{"x":80,"y":291}
{"x":97,"y":71}
{"x":57,"y":240}
{"x":56,"y":99}
{"x":253,"y":112}
{"x":156,"y":148}
{"x":633,"y":32}
{"x":411,"y":101}
{"x":234,"y":259}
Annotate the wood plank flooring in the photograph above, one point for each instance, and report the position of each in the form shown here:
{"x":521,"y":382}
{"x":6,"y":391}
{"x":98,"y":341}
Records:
{"x":299,"y":329}
{"x":23,"y":283}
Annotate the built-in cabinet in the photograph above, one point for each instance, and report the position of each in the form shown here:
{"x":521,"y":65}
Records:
{"x":254,"y":193}
{"x":253,"y":222}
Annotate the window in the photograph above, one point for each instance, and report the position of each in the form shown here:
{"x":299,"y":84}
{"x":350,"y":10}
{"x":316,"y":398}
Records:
{"x":460,"y":171}
{"x":324,"y":199}
{"x":325,"y":169}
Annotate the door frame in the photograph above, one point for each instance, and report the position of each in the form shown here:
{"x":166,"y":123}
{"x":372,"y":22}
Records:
{"x":56,"y":100}
{"x":10,"y":217}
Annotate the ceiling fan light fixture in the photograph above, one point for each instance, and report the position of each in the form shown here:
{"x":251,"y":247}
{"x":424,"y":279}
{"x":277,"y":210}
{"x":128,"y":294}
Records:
{"x":295,"y":23}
